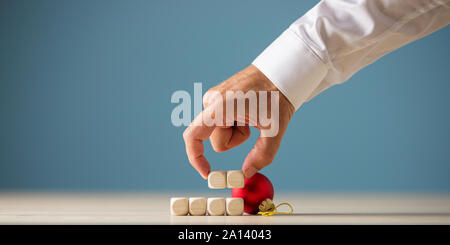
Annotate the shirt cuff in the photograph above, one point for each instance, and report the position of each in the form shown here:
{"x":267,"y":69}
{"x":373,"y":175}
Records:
{"x":292,"y":67}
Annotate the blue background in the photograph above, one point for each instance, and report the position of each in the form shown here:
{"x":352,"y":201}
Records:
{"x":85,"y":91}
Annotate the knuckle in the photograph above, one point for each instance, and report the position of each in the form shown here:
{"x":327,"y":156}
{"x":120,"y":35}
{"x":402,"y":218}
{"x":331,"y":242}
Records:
{"x":267,"y":157}
{"x":219,"y":147}
{"x":211,"y":96}
{"x":206,"y":98}
{"x":186,"y":134}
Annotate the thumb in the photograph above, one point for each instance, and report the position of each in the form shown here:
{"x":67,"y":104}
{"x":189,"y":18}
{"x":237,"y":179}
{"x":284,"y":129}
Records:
{"x":261,"y":155}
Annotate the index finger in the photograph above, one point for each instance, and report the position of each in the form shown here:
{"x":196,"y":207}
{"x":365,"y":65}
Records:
{"x":193,"y":136}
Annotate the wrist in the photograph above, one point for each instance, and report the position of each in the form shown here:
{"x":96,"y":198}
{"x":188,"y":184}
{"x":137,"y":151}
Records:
{"x":292,"y":67}
{"x":268,"y":85}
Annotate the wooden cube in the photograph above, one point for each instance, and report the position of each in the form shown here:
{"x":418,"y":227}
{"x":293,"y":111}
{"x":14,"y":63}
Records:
{"x":234,"y":206}
{"x":179,"y":206}
{"x":216,"y":206}
{"x":217,"y":180}
{"x":235,"y":179}
{"x":197,"y":206}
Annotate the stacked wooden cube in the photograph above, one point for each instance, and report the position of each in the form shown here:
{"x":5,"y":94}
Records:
{"x":215,"y":206}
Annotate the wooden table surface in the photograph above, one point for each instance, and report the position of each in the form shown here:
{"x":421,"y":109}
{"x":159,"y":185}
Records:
{"x":153,"y":208}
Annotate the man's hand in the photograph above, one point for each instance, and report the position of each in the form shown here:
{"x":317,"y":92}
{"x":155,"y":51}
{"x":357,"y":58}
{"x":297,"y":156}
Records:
{"x":224,"y":138}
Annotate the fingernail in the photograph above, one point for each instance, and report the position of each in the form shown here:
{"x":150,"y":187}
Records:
{"x":249,"y":172}
{"x":205,"y":176}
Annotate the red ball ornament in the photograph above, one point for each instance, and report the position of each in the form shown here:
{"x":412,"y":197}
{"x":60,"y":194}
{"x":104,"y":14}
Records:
{"x":256,"y":189}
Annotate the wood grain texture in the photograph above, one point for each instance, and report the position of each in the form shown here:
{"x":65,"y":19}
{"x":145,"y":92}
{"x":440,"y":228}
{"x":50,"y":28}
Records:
{"x":197,"y":206}
{"x":235,"y":206}
{"x":179,"y":206}
{"x":216,"y":206}
{"x":217,"y":180}
{"x":235,"y":179}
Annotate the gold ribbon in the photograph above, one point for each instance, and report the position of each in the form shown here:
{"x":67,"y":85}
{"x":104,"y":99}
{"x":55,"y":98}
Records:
{"x":268,"y":208}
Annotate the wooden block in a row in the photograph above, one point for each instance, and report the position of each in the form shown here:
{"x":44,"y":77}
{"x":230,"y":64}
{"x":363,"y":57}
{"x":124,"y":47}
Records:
{"x":198,"y":206}
{"x":222,"y":179}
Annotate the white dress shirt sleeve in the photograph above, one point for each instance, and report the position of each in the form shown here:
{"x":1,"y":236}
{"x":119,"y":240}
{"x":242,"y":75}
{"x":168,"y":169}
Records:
{"x":337,"y":38}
